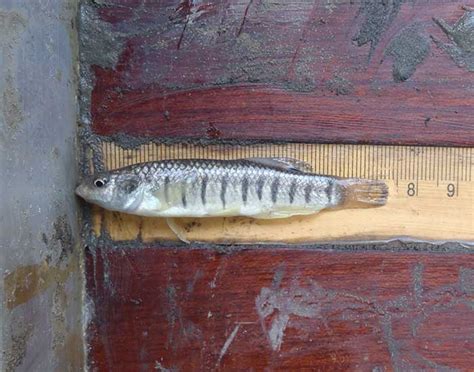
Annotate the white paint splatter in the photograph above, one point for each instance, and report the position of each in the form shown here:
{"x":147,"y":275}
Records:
{"x":227,"y":344}
{"x":160,"y":367}
{"x":281,"y":303}
{"x":213,"y":283}
{"x":331,"y":5}
{"x":277,"y":331}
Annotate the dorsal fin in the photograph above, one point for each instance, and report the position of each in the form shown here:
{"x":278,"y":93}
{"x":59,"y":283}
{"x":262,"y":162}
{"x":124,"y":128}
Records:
{"x":286,"y":164}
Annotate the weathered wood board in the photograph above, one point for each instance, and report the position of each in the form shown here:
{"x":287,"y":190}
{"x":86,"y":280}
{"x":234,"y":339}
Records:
{"x":275,"y":309}
{"x":319,"y":71}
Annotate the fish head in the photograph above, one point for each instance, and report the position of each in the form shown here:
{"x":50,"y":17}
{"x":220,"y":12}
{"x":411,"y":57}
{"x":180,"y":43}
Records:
{"x":116,"y":191}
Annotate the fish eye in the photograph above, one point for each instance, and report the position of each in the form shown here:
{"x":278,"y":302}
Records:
{"x":100,"y":182}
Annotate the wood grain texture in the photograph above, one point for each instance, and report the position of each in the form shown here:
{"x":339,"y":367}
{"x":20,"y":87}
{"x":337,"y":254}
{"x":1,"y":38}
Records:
{"x":323,"y":71}
{"x":270,"y":309}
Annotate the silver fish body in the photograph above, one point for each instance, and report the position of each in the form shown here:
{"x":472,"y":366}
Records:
{"x":259,"y":188}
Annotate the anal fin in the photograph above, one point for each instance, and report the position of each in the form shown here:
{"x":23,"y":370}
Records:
{"x":177,"y":229}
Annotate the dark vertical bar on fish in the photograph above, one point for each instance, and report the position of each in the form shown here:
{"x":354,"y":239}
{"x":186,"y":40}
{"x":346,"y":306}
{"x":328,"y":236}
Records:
{"x":260,"y":184}
{"x":307,"y":193}
{"x":292,"y":191}
{"x":274,"y":189}
{"x":245,"y":189}
{"x":204,"y":182}
{"x":223,"y":190}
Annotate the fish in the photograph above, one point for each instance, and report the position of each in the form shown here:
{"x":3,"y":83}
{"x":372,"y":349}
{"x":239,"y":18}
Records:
{"x":263,"y":188}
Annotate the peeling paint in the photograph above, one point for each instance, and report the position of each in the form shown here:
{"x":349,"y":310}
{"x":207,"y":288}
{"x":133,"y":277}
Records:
{"x":378,"y":16}
{"x":251,"y":60}
{"x":340,"y":85}
{"x":409,"y":48}
{"x":96,"y":35}
{"x":189,"y":11}
{"x":466,"y":278}
{"x":461,"y":33}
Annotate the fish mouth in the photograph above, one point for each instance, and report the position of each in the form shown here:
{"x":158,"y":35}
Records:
{"x":81,"y":191}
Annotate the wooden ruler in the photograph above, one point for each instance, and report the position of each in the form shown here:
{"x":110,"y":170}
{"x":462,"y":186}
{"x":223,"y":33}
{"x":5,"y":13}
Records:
{"x":431,"y":195}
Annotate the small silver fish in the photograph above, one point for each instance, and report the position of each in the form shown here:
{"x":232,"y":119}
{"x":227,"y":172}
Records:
{"x":254,"y":187}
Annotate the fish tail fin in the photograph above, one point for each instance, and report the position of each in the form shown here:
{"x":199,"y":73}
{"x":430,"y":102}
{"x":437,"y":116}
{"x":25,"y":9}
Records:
{"x":361,"y":193}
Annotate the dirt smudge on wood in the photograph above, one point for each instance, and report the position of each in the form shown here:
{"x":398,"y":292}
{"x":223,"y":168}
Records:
{"x":409,"y":48}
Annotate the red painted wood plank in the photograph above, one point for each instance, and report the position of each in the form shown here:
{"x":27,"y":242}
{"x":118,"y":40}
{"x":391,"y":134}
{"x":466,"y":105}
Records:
{"x":290,"y":71}
{"x":279,"y":309}
{"x":247,"y":113}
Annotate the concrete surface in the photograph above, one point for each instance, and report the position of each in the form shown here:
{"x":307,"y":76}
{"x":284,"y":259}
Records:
{"x":39,"y":252}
